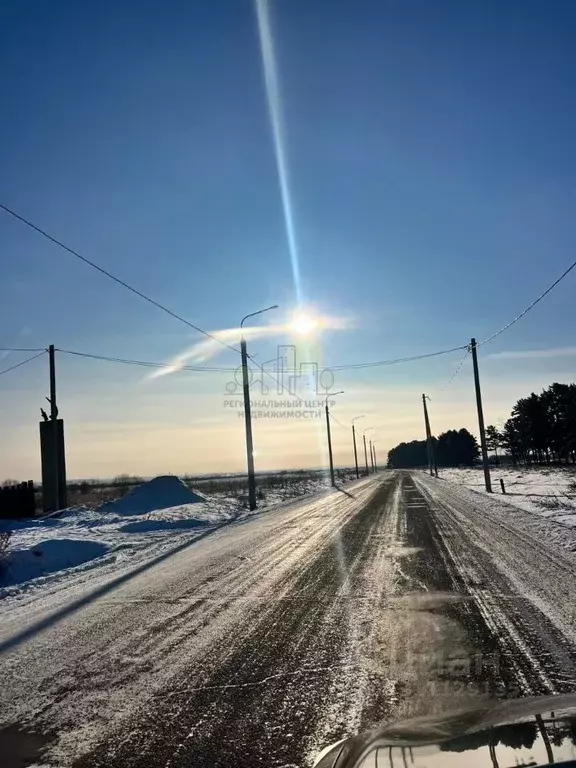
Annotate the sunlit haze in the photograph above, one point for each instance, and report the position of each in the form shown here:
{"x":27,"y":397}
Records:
{"x":397,"y":178}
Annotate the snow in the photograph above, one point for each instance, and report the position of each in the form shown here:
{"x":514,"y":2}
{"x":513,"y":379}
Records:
{"x":48,"y":556}
{"x":160,"y":493}
{"x":547,"y":492}
{"x":81,"y":544}
{"x":158,"y":516}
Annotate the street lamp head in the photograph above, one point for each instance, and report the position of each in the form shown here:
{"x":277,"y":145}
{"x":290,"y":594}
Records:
{"x":358,"y":417}
{"x":260,"y":311}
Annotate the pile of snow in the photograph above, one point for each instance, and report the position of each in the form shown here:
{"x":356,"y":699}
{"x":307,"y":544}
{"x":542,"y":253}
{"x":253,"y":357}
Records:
{"x":160,"y":493}
{"x":81,"y":543}
{"x":49,"y":556}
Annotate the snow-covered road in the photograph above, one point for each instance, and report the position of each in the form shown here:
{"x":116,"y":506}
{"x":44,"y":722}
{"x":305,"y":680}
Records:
{"x":276,"y":635}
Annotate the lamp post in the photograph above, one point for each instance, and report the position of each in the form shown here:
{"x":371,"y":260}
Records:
{"x":354,"y":441}
{"x":330,"y":394}
{"x":365,"y":452}
{"x":247,"y":411}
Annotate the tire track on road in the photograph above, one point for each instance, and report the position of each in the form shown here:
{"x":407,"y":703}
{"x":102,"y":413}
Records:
{"x":254,"y":699}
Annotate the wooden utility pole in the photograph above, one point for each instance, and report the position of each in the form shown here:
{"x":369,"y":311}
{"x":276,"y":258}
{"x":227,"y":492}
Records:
{"x":483,"y":446}
{"x":429,"y":443}
{"x":355,"y":450}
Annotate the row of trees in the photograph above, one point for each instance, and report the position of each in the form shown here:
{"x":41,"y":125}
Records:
{"x":451,"y":449}
{"x":541,"y":428}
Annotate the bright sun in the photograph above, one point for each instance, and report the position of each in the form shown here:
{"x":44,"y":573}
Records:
{"x":303,"y":324}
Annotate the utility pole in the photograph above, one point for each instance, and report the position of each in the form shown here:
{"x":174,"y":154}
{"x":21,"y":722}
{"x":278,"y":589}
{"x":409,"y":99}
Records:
{"x":332,"y":481}
{"x":354,"y":441}
{"x":483,"y":446}
{"x":248,"y":422}
{"x":330,"y":394}
{"x":375,"y":463}
{"x":248,"y":412}
{"x":371,"y":457}
{"x":54,"y":424}
{"x":429,"y":442}
{"x":365,"y":454}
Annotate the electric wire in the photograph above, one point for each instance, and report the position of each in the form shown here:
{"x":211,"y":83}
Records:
{"x":529,"y":307}
{"x":22,"y":349}
{"x":457,"y":371}
{"x":23,"y":362}
{"x":114,"y":278}
{"x":145,"y":363}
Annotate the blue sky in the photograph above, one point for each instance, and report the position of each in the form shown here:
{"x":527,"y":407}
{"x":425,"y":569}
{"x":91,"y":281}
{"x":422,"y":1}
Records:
{"x":431,"y":162}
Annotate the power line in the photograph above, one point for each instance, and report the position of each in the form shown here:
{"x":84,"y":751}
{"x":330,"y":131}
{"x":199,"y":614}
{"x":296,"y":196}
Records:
{"x":333,"y":418}
{"x":377,"y":363}
{"x":28,"y":360}
{"x":22,"y":349}
{"x":457,"y":371}
{"x":529,"y":307}
{"x":116,"y":279}
{"x":220,"y":369}
{"x":145,"y":363}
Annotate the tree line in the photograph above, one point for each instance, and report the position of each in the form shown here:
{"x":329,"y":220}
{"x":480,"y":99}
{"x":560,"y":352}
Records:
{"x":451,"y":449}
{"x":541,"y":428}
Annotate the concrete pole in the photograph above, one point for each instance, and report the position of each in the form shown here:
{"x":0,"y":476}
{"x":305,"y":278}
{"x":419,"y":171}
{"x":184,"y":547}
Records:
{"x":248,"y":422}
{"x":483,"y":446}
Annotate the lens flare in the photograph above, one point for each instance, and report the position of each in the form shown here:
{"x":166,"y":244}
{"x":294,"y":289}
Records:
{"x":272,"y":86}
{"x":304,"y":324}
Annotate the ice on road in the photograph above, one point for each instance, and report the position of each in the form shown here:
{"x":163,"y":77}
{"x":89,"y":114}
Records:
{"x":276,"y":635}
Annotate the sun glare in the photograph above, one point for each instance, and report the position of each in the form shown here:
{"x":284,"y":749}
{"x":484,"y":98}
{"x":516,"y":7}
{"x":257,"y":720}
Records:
{"x":304,"y":324}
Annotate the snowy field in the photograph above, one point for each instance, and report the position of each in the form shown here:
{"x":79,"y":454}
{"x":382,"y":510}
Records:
{"x":548,"y":492}
{"x":83,"y":543}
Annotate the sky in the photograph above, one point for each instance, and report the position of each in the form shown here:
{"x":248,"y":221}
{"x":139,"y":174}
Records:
{"x":406,"y":169}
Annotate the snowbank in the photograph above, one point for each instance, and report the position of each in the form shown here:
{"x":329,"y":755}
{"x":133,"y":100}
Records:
{"x":48,"y":556}
{"x":160,"y":493}
{"x":82,"y":543}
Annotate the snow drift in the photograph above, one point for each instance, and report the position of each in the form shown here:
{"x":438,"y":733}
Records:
{"x":160,"y":493}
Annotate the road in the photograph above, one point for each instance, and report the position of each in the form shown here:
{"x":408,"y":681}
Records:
{"x":279,"y":634}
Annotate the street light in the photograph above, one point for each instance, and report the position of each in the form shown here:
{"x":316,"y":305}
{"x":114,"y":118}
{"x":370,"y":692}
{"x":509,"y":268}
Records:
{"x":247,"y":412}
{"x":354,"y":441}
{"x":365,"y":452}
{"x":330,"y":394}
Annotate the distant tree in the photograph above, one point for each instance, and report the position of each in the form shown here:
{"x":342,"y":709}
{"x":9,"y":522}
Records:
{"x":452,"y":449}
{"x":493,"y":440}
{"x":408,"y":455}
{"x":542,"y":428}
{"x":124,"y":482}
{"x":457,"y":448}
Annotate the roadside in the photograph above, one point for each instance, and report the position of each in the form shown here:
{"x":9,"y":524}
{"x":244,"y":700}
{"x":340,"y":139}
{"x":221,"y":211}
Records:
{"x":85,"y":544}
{"x":281,"y":633}
{"x":547,"y":491}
